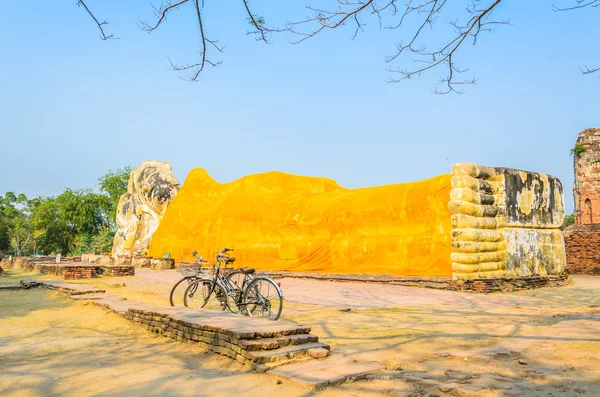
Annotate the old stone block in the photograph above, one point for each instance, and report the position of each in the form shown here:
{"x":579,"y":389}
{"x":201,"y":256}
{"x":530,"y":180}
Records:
{"x":241,"y":359}
{"x":318,"y":352}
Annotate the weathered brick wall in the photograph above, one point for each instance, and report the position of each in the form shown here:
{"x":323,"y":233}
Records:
{"x":586,"y":189}
{"x":126,"y":260}
{"x":76,"y":272}
{"x":115,"y":271}
{"x":29,"y":263}
{"x":141,"y":261}
{"x":82,"y":270}
{"x":582,"y":246}
{"x":67,"y":272}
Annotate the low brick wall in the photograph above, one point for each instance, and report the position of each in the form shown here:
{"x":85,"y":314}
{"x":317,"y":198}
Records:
{"x":66,"y":271}
{"x":29,"y":263}
{"x":77,"y":272}
{"x":162,"y":264}
{"x":105,"y":260}
{"x":510,"y":284}
{"x":141,"y":261}
{"x":115,"y":271}
{"x":582,"y":246}
{"x":126,"y":260}
{"x":83,"y":270}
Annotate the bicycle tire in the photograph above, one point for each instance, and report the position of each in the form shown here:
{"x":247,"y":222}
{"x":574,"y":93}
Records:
{"x":263,"y":301}
{"x":238,"y":293}
{"x":190,"y":279}
{"x":209,"y":288}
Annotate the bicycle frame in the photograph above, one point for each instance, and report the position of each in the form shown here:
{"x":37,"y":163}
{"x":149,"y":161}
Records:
{"x":239,"y":294}
{"x":229,"y":288}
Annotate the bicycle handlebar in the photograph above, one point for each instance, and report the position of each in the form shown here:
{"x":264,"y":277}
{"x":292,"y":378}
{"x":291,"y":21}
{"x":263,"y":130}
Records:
{"x":200,"y":259}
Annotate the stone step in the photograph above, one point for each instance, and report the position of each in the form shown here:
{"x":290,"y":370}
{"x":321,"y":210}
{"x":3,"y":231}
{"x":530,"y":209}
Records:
{"x":297,"y":339}
{"x":10,"y":287}
{"x":275,"y":343}
{"x":283,"y":354}
{"x":73,"y":289}
{"x":277,"y":330}
{"x":89,"y":297}
{"x":322,"y":373}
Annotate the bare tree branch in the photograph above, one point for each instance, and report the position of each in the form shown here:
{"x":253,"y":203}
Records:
{"x":587,"y":70}
{"x":161,"y":14}
{"x":428,"y":11}
{"x":419,"y":15}
{"x":101,"y":25}
{"x":578,"y":4}
{"x":260,"y":30}
{"x":478,"y":22}
{"x":204,"y":42}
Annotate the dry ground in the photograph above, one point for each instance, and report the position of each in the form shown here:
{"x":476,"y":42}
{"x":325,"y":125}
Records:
{"x":544,"y":342}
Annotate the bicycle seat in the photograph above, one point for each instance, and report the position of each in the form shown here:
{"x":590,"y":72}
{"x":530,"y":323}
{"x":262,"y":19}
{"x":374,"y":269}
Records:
{"x":245,"y":270}
{"x":230,"y":260}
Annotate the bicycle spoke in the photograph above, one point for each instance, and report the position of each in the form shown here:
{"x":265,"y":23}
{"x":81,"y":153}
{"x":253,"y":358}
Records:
{"x":263,"y":299}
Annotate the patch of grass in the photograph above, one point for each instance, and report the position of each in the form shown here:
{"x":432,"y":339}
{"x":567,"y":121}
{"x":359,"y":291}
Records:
{"x":577,"y":150}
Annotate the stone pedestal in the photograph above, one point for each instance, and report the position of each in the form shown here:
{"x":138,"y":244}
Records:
{"x":162,"y":264}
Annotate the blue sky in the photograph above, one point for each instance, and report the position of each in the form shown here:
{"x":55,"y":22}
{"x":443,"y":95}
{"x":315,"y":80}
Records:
{"x":73,"y":106}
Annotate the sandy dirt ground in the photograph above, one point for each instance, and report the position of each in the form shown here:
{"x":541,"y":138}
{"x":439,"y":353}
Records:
{"x":543,"y":342}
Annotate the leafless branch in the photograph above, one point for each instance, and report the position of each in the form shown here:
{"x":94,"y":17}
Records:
{"x":204,"y":43}
{"x":427,"y":12}
{"x":478,"y":21}
{"x":578,"y":4}
{"x":327,"y":19}
{"x":101,"y":25}
{"x":260,"y":30}
{"x":418,"y":15}
{"x":161,"y":14}
{"x":587,"y":70}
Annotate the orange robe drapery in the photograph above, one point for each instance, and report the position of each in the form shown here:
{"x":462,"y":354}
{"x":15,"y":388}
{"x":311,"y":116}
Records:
{"x":278,"y":221}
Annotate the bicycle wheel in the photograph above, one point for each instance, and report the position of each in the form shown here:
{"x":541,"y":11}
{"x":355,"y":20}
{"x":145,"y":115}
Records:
{"x":263,"y":298}
{"x":198,"y":295}
{"x":178,"y":290}
{"x":235,"y":282}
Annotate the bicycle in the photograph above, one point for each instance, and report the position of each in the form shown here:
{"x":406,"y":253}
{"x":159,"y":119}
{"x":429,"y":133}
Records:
{"x":250,"y":295}
{"x":190,"y":274}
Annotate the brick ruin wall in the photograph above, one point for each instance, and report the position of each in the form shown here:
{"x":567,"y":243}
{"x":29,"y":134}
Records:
{"x":586,"y":189}
{"x":582,"y":240}
{"x":68,"y":269}
{"x":79,"y":271}
{"x":582,"y":245}
{"x":126,"y":260}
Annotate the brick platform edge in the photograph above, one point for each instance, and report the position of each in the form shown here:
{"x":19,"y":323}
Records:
{"x":70,"y":271}
{"x":511,"y":284}
{"x":444,"y":283}
{"x":582,"y":246}
{"x":249,"y":341}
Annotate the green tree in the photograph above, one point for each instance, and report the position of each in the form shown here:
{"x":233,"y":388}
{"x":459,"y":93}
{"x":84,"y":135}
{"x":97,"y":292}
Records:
{"x":568,"y":221}
{"x":15,"y":227}
{"x":114,"y":185}
{"x":102,"y":242}
{"x":65,"y":222}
